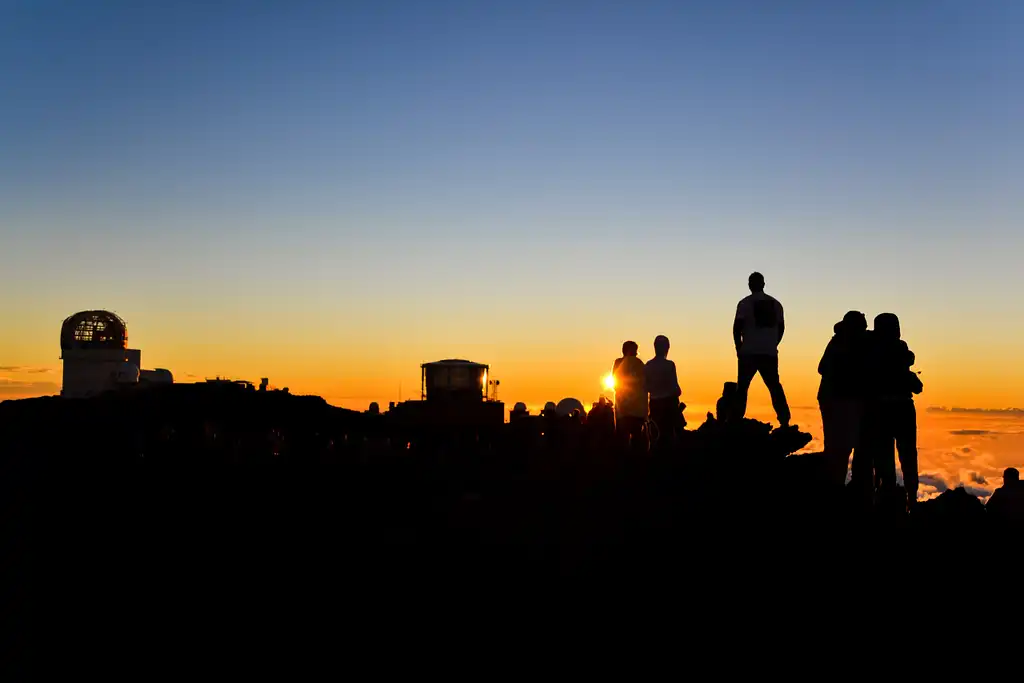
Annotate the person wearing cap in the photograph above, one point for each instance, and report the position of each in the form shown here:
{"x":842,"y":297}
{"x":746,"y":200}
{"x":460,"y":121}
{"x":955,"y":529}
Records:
{"x":757,"y":331}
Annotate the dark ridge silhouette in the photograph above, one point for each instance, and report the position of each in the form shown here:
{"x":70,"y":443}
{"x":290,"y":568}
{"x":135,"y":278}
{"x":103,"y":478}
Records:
{"x":186,"y":508}
{"x":170,"y":508}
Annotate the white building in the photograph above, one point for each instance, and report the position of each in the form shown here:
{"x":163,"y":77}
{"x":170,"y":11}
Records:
{"x":94,"y":348}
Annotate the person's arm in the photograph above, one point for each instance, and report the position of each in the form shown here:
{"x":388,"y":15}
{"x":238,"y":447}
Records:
{"x":737,"y":328}
{"x":782,"y":323}
{"x":675,"y":380}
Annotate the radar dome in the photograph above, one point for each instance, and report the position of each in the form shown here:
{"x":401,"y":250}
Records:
{"x":127,"y":373}
{"x":567,"y":405}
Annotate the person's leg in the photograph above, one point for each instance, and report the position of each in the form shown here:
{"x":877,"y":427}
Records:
{"x":906,"y":445}
{"x":853,"y":431}
{"x":637,"y":435}
{"x":745,"y":375}
{"x":841,"y":423}
{"x":661,"y":416}
{"x":885,"y":451}
{"x":869,"y":440}
{"x":622,"y":431}
{"x":830,"y":449}
{"x":768,"y":366}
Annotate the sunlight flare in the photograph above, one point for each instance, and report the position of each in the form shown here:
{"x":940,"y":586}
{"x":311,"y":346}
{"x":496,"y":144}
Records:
{"x":608,"y":382}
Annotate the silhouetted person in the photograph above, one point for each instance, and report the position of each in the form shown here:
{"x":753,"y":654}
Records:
{"x":630,"y":398}
{"x":891,"y":416}
{"x":1006,"y":505}
{"x":842,"y":390}
{"x":725,"y":408}
{"x":757,"y":331}
{"x":663,"y":387}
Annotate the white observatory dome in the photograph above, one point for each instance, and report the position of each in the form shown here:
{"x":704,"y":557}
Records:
{"x":567,"y":405}
{"x":374,"y":408}
{"x":127,"y":373}
{"x":550,"y":407}
{"x":519,"y":407}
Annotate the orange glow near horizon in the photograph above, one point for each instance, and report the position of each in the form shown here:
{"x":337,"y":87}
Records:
{"x":351,"y":361}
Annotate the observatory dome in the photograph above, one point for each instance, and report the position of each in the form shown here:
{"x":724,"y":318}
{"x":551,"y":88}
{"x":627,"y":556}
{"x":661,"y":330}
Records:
{"x":567,"y":405}
{"x":93,"y":330}
{"x":127,"y":373}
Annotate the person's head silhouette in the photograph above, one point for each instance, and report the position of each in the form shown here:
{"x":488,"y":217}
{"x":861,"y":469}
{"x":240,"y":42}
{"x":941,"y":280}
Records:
{"x":855,"y":321}
{"x":1011,"y":476}
{"x":887,"y":325}
{"x":630,"y":348}
{"x":756,"y":282}
{"x":661,"y":346}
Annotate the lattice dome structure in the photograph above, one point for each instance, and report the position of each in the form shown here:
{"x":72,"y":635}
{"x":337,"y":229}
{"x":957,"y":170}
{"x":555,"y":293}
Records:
{"x":93,"y":330}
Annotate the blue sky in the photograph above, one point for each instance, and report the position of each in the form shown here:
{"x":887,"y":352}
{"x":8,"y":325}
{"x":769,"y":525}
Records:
{"x":380,"y":156}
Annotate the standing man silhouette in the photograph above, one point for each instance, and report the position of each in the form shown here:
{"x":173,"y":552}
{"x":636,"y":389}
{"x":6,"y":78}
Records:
{"x":757,"y":331}
{"x":630,"y":399}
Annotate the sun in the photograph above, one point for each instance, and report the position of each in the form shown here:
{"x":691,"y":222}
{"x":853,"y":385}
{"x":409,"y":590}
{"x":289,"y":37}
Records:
{"x":609,"y":382}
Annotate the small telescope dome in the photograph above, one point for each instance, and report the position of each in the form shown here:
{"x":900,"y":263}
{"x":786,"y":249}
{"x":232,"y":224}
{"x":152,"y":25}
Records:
{"x":127,"y":373}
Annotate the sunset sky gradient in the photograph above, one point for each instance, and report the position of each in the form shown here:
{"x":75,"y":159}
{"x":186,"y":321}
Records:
{"x":329,"y":194}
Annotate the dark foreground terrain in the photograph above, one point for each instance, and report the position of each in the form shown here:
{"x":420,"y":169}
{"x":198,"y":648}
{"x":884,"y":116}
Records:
{"x":188,"y":517}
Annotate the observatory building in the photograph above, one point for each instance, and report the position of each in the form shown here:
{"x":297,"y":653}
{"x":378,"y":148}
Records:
{"x":454,"y":392}
{"x":94,"y":348}
{"x":454,"y":380}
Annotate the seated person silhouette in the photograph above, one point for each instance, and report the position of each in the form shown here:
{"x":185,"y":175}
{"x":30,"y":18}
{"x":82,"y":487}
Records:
{"x":890,"y":414}
{"x":725,"y":408}
{"x":630,"y":398}
{"x":841,"y":390}
{"x":757,"y":331}
{"x":663,"y":387}
{"x":1006,"y":505}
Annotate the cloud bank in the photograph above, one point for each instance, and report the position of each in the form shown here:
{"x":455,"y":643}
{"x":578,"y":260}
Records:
{"x":1005,"y":412}
{"x":14,"y":388}
{"x":25,"y":369}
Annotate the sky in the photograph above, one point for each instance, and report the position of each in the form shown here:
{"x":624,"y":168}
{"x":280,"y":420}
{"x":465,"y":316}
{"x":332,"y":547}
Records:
{"x":330,"y":194}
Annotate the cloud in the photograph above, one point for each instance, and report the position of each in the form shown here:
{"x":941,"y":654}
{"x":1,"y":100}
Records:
{"x":978,"y":478}
{"x":972,"y":432}
{"x":1006,"y":412}
{"x":25,"y":369}
{"x":980,"y":493}
{"x":25,"y":389}
{"x":934,"y":480}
